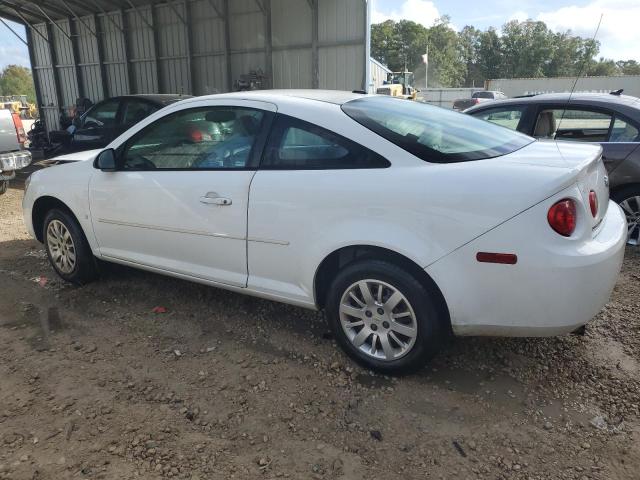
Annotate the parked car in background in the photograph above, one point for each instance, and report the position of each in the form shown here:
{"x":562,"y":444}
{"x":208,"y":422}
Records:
{"x":106,"y":120}
{"x":403,"y":220}
{"x":13,"y":156}
{"x":477,"y":98}
{"x":610,"y":120}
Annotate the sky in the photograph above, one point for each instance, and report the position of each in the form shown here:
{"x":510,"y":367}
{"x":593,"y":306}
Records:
{"x":619,"y":33}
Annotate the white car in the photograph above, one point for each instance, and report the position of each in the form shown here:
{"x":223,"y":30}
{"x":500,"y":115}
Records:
{"x":405,"y":221}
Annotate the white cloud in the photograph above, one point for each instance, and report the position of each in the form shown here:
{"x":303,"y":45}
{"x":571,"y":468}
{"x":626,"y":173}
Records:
{"x":520,"y":16}
{"x":14,"y":55}
{"x":420,"y":11}
{"x":619,"y":34}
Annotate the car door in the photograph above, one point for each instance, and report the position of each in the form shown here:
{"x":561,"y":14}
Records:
{"x":308,"y":182}
{"x":134,"y":110}
{"x":98,"y":126}
{"x":177,"y":201}
{"x":586,"y":124}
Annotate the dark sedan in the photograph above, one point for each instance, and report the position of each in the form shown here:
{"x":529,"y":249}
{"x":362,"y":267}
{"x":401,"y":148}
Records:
{"x":106,"y":120}
{"x":612,"y":120}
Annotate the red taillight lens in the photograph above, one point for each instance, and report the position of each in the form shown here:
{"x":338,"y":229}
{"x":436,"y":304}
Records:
{"x":17,"y":123}
{"x":562,"y":217}
{"x":593,"y":203}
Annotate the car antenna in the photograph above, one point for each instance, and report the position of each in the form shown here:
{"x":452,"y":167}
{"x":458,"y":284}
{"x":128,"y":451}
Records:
{"x":617,"y":92}
{"x":584,"y":63}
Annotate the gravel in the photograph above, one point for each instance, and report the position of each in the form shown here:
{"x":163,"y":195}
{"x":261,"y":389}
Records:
{"x":94,"y":384}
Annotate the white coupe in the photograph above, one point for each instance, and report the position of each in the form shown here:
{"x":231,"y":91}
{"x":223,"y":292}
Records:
{"x":405,"y":221}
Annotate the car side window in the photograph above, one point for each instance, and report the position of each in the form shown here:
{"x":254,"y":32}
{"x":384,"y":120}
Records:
{"x":574,"y":124}
{"x":102,"y":115}
{"x":196,"y":139}
{"x":505,"y":116}
{"x":299,"y":145}
{"x":623,"y":131}
{"x":137,"y":110}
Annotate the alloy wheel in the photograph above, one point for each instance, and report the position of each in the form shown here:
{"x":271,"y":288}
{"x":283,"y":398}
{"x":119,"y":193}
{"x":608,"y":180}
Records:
{"x":631,"y":208}
{"x":61,"y":247}
{"x":378,"y":319}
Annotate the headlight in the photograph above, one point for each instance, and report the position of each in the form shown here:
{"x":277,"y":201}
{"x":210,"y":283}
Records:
{"x":14,"y":160}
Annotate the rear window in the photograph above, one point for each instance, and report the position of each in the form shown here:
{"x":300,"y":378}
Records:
{"x":482,"y":95}
{"x":434,"y":134}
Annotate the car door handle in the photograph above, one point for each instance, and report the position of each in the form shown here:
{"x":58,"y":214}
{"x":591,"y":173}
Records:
{"x":212,"y":198}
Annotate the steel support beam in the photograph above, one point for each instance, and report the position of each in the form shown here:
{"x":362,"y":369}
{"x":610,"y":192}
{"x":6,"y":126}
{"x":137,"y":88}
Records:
{"x":214,"y":7}
{"x":100,"y":50}
{"x":144,"y":20}
{"x":35,"y":74}
{"x":315,"y":57}
{"x":21,"y":10}
{"x":78,"y":19}
{"x":108,"y":17}
{"x":189,"y":36}
{"x":268,"y":43}
{"x":53,"y":59}
{"x":53,"y":22}
{"x":132,"y":87}
{"x":76,"y":56}
{"x":156,"y":44}
{"x":227,"y":45}
{"x":13,"y":31}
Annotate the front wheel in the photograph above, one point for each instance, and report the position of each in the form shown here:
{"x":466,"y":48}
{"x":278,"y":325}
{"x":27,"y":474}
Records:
{"x":67,"y":248}
{"x":384,"y":318}
{"x":629,"y":200}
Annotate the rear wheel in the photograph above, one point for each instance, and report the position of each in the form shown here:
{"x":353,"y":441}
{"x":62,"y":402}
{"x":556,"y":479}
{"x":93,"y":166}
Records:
{"x":384,"y":318}
{"x":629,"y":200}
{"x":67,"y":248}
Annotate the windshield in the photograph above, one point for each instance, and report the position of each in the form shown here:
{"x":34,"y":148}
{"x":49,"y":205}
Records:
{"x":432,"y":133}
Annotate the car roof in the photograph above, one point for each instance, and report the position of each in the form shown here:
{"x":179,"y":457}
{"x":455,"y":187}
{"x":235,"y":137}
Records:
{"x":337,"y":97}
{"x":578,"y":97}
{"x":160,"y":98}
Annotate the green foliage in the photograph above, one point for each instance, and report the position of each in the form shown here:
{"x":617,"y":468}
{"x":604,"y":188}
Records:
{"x":17,"y":80}
{"x":471,"y":56}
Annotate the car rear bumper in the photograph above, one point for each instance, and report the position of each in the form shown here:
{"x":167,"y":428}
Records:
{"x":555,"y":287}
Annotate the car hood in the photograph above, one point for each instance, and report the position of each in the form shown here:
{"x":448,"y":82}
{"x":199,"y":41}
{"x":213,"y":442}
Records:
{"x":72,"y":157}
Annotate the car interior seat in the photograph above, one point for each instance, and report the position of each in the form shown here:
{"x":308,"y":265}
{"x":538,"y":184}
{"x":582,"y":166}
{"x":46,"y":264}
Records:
{"x":545,"y":126}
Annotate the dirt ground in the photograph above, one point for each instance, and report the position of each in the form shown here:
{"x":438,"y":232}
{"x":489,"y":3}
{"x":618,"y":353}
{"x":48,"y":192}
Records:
{"x":94,"y":384}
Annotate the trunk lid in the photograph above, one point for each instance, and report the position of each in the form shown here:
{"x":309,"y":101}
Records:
{"x":582,"y":164}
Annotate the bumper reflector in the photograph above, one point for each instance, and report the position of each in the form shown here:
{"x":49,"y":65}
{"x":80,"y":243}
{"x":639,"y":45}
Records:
{"x":504,"y":258}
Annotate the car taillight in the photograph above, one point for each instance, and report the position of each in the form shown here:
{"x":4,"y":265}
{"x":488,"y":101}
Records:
{"x":562,"y":217}
{"x":593,"y":203}
{"x":17,"y":123}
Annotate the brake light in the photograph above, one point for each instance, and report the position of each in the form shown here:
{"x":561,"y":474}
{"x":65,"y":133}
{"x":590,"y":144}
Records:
{"x":593,"y":203}
{"x":17,"y":123}
{"x":562,"y":217}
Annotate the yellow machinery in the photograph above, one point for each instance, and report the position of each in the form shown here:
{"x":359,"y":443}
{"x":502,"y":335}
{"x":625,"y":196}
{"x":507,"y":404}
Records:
{"x":399,"y":84}
{"x":19,"y":104}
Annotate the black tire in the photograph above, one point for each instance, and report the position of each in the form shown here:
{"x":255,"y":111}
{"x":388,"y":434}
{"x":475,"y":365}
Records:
{"x":84,"y":270}
{"x":629,"y":193}
{"x":4,"y":185}
{"x":432,"y":329}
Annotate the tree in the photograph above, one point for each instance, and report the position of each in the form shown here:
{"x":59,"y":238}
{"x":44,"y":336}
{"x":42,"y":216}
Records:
{"x":603,"y":67}
{"x":628,"y":67}
{"x":490,"y":54}
{"x":468,"y":57}
{"x":17,"y":80}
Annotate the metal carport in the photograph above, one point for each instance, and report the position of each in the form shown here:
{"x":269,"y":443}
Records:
{"x":100,"y":48}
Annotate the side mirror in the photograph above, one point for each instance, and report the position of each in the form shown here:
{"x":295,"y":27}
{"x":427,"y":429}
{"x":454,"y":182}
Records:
{"x":106,"y":160}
